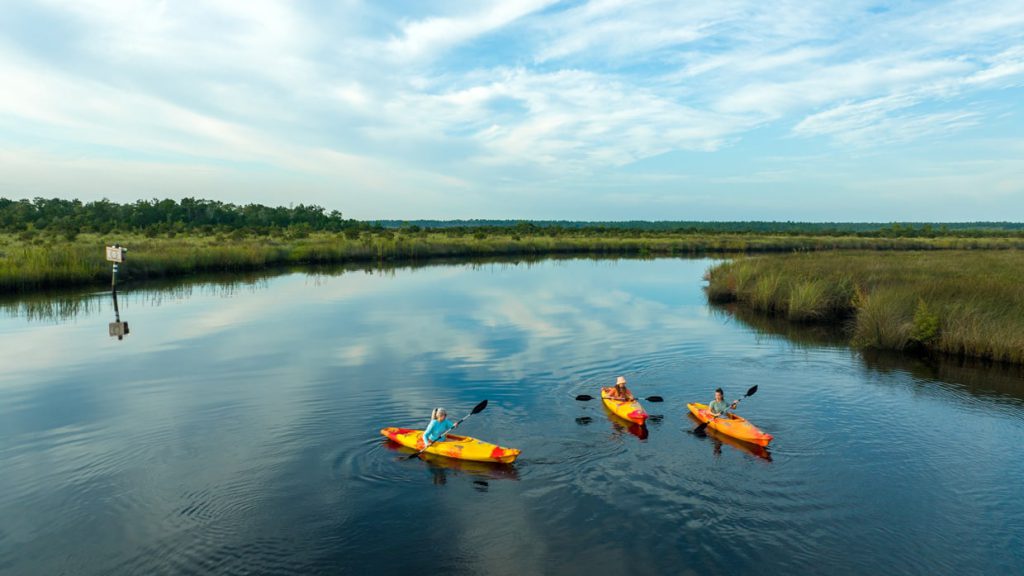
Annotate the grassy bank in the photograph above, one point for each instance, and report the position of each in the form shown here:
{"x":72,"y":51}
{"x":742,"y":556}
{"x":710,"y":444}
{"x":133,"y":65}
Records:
{"x":969,"y":303}
{"x":44,"y":261}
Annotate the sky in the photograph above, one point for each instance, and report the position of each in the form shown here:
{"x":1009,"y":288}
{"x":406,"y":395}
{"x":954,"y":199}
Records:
{"x":533,"y":109}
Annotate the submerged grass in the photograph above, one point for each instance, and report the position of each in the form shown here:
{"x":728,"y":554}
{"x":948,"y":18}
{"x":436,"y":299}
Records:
{"x":968,"y":303}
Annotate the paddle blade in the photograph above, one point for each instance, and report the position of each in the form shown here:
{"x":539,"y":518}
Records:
{"x":480,"y":407}
{"x":752,"y":390}
{"x":584,"y":397}
{"x":700,"y":428}
{"x":655,"y":399}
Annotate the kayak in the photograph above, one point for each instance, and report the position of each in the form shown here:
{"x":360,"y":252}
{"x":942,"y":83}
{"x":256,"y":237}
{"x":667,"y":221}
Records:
{"x":489,"y":470}
{"x":752,"y":449}
{"x":628,"y":409}
{"x":459,"y":447}
{"x":734,"y":425}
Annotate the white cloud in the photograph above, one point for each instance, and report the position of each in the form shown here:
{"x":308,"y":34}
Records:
{"x":1006,"y":66}
{"x":881,"y":121}
{"x":430,"y":36}
{"x":461,"y":101}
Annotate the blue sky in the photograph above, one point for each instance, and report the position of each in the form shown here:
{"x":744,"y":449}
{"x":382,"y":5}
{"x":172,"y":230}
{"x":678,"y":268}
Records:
{"x":600,"y":110}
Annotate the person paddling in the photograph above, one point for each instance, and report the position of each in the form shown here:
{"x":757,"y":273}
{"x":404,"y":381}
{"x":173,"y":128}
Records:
{"x":718,"y":407}
{"x":619,"y":391}
{"x":439,"y":426}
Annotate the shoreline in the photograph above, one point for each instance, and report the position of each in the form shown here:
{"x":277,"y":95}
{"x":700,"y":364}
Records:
{"x":958,"y":303}
{"x":54,"y":262}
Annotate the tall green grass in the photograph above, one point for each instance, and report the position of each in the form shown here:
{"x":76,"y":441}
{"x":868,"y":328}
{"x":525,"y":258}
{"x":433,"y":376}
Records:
{"x":969,"y":303}
{"x":42,"y":260}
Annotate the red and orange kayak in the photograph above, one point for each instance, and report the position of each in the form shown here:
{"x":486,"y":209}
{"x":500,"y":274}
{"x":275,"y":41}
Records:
{"x":459,"y":447}
{"x":734,"y":425}
{"x":627,"y":409}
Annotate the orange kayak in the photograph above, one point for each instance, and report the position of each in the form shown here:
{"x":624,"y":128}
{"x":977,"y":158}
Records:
{"x":459,"y":447}
{"x":734,"y":425}
{"x":628,"y":409}
{"x":752,"y":449}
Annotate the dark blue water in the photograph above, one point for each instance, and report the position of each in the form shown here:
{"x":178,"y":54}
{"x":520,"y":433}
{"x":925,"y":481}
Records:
{"x":235,"y":431}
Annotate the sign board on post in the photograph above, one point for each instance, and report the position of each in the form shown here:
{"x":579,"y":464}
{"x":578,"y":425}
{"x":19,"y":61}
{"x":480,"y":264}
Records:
{"x":116,"y":253}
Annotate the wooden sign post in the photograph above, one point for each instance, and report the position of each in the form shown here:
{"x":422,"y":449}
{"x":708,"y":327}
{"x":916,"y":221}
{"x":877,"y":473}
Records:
{"x":117,"y":255}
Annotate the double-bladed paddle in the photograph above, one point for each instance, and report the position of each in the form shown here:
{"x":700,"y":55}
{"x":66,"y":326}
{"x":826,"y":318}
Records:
{"x":586,"y":397}
{"x":476,"y":410}
{"x":703,"y":425}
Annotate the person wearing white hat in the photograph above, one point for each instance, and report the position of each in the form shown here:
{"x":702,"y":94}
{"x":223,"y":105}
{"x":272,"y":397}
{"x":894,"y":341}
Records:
{"x":619,"y":391}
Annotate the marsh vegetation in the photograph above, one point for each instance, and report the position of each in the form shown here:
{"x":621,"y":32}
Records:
{"x":967,"y":303}
{"x":46,"y":260}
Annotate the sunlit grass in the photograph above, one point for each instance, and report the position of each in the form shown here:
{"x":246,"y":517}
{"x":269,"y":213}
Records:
{"x":47,"y":260}
{"x":969,"y":303}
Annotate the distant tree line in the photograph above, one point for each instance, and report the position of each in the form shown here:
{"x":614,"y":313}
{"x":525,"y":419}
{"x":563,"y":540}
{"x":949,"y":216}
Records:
{"x":866,"y":229}
{"x":191,"y":215}
{"x":70,"y":217}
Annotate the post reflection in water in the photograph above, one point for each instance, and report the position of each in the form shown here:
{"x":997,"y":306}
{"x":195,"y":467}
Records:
{"x":242,"y":432}
{"x":117,"y":327}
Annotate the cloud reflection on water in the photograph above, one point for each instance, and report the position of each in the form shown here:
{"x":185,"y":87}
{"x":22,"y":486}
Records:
{"x":250,"y":414}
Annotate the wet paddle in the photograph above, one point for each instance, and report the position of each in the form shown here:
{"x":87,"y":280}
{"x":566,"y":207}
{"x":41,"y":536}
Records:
{"x":703,"y":425}
{"x":586,"y":397}
{"x":476,"y":410}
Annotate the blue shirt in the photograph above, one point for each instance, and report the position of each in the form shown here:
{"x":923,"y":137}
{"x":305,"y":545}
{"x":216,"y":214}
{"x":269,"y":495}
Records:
{"x":436,"y":429}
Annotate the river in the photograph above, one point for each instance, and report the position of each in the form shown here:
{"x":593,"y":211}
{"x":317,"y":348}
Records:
{"x":235,"y":430}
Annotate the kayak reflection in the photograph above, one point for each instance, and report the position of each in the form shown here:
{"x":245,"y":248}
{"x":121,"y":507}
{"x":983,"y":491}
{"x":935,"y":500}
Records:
{"x":717,"y":439}
{"x":619,"y":424}
{"x":439,"y":466}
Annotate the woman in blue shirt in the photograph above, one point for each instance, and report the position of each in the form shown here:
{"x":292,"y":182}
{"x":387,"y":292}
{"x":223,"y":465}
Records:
{"x":438,"y":427}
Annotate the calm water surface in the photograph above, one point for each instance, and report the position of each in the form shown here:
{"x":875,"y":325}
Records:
{"x":235,"y":431}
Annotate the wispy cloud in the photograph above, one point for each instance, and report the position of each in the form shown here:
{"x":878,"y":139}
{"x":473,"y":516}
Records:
{"x":352,"y":98}
{"x":428,"y":37}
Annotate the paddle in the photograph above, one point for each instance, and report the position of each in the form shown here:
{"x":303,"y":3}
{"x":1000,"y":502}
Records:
{"x":476,"y":410}
{"x":703,"y":425}
{"x":586,"y":397}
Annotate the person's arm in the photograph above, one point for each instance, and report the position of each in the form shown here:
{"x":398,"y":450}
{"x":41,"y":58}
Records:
{"x":430,"y":432}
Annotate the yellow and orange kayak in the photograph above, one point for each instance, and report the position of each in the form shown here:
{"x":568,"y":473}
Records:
{"x":628,"y":409}
{"x":459,"y":447}
{"x":752,"y":449}
{"x":734,"y":425}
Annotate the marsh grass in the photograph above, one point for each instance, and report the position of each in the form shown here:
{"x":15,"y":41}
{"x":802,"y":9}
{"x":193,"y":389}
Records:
{"x":42,"y":260}
{"x":969,"y":303}
{"x":806,"y":301}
